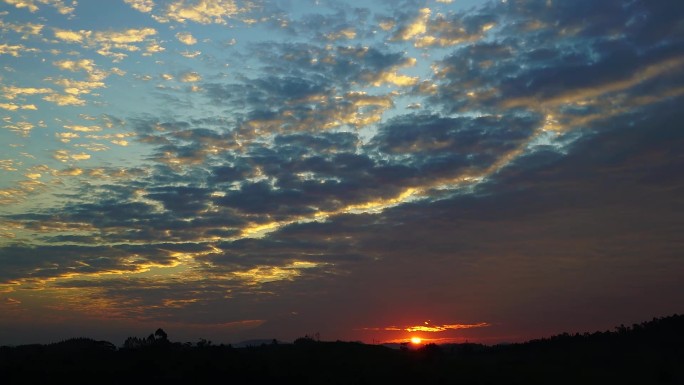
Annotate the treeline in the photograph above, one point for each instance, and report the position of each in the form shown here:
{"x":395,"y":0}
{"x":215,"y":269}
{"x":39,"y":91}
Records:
{"x":647,"y":353}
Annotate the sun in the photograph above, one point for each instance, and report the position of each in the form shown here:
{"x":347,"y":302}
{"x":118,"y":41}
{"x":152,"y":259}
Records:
{"x":416,"y":340}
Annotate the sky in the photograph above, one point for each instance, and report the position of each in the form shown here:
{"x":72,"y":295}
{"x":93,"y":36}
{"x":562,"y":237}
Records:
{"x":485,"y":171}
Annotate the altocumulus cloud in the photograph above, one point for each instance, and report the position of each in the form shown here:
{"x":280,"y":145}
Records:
{"x":379,"y":166}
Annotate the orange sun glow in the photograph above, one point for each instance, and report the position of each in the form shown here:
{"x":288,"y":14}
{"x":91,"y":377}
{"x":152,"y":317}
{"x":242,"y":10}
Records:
{"x":416,"y":340}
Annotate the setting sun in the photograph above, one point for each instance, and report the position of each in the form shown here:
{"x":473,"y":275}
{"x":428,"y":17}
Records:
{"x":416,"y":340}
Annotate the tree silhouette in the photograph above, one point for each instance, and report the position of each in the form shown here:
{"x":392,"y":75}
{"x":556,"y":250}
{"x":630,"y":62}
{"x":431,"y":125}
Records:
{"x":161,"y":335}
{"x":133,"y":343}
{"x":645,"y":353}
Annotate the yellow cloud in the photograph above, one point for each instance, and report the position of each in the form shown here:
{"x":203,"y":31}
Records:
{"x":107,"y":41}
{"x":15,"y":50}
{"x":443,"y":32}
{"x":25,"y":29}
{"x":588,"y":93}
{"x":427,"y":41}
{"x":77,"y":87}
{"x":427,"y":327}
{"x":28,"y":4}
{"x":11,"y":92}
{"x":347,"y":33}
{"x":21,"y":128}
{"x":391,"y":76}
{"x":200,"y":11}
{"x":65,"y":156}
{"x":263,"y":274}
{"x":80,"y":156}
{"x":396,"y":79}
{"x":118,"y":71}
{"x":441,"y":328}
{"x":141,"y":5}
{"x":94,"y":147}
{"x":61,"y":155}
{"x":11,"y":195}
{"x":118,"y":139}
{"x":66,"y":137}
{"x":32,"y":7}
{"x":8,"y":165}
{"x":14,"y":107}
{"x":74,"y":88}
{"x":71,"y":36}
{"x":153,"y":48}
{"x":64,"y":100}
{"x":417,"y":27}
{"x":83,"y":128}
{"x":125,"y":37}
{"x":190,"y":77}
{"x":186,"y":38}
{"x":87,"y":65}
{"x":9,"y":106}
{"x":71,"y":171}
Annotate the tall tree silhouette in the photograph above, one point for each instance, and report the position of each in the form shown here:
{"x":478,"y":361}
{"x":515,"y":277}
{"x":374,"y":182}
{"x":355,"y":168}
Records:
{"x":161,"y":335}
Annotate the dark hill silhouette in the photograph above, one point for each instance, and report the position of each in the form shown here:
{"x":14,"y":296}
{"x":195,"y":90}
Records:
{"x":648,"y":353}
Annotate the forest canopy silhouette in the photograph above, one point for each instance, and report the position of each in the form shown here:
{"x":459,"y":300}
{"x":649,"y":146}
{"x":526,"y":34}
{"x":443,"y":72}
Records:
{"x":646,"y":353}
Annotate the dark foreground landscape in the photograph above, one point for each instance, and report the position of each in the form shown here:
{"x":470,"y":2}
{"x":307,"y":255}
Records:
{"x":648,"y":353}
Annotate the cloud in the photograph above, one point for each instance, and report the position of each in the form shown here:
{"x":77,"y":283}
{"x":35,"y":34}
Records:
{"x":417,"y":27}
{"x":15,"y":50}
{"x":14,"y":107}
{"x":21,"y":128}
{"x":392,"y":77}
{"x":190,"y":77}
{"x":348,"y":33}
{"x":32,"y":6}
{"x":10,"y":301}
{"x":72,"y":36}
{"x":200,"y":11}
{"x":20,"y":191}
{"x":69,"y":260}
{"x":8,"y":165}
{"x":71,"y":171}
{"x":449,"y":32}
{"x":586,"y":94}
{"x":12,"y":92}
{"x":529,"y":150}
{"x":190,"y":54}
{"x":66,"y":137}
{"x":112,"y":43}
{"x":78,"y":87}
{"x":79,"y":128}
{"x":122,"y":39}
{"x":64,"y":100}
{"x":430,"y":328}
{"x":144,"y":6}
{"x":65,"y":156}
{"x":86,"y":65}
{"x":73,"y":88}
{"x":186,"y":38}
{"x":26,"y":30}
